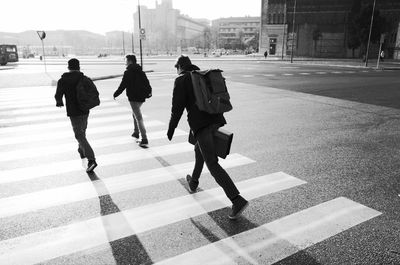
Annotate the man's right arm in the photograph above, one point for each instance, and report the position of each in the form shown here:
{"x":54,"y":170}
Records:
{"x":59,"y":94}
{"x":122,"y":85}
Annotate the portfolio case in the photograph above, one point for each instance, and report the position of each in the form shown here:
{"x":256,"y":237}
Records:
{"x":222,"y":140}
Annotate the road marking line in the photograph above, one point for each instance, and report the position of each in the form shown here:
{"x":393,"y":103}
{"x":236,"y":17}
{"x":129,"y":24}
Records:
{"x":82,"y":191}
{"x":305,"y":73}
{"x":272,"y":242}
{"x":269,"y":75}
{"x":43,"y":103}
{"x":336,"y":72}
{"x":30,"y":129}
{"x":56,"y":115}
{"x":32,"y":172}
{"x":52,"y":109}
{"x":60,"y":241}
{"x":72,"y":146}
{"x":247,"y":76}
{"x":287,"y":74}
{"x":321,"y":73}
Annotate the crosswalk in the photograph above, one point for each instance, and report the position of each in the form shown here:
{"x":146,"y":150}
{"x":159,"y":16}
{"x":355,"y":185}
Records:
{"x":37,"y":146}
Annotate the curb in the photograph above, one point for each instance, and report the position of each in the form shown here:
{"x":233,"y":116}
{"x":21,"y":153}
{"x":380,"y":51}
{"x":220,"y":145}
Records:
{"x":54,"y":82}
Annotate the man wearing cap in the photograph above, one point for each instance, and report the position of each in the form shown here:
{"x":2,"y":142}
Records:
{"x":203,"y":125}
{"x":66,"y":86}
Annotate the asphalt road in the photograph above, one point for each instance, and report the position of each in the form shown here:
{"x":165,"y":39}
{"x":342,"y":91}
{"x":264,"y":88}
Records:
{"x":315,"y":150}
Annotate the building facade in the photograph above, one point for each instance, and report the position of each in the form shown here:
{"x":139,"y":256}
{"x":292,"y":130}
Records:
{"x":235,"y":32}
{"x":319,"y":28}
{"x":167,"y":31}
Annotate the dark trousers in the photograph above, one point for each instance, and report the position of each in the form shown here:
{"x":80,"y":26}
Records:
{"x":79,"y":125}
{"x":205,"y":152}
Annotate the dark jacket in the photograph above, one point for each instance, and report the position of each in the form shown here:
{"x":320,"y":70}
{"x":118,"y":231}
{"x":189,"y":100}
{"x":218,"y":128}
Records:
{"x":183,"y":97}
{"x":67,"y":86}
{"x":136,"y":84}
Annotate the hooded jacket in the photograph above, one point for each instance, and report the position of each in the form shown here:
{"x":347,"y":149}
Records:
{"x":66,"y":86}
{"x":136,"y":84}
{"x":183,"y":98}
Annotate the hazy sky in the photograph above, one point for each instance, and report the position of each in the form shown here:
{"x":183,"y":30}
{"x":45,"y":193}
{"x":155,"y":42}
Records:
{"x":101,"y":16}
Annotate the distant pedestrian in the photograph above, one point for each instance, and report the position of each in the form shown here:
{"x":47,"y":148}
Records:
{"x":66,"y":86}
{"x":382,"y":55}
{"x":137,"y":90}
{"x":265,"y":54}
{"x":203,"y":125}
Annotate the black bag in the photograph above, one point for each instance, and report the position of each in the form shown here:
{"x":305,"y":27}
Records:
{"x":210,"y":91}
{"x":222,"y":140}
{"x":87,"y":94}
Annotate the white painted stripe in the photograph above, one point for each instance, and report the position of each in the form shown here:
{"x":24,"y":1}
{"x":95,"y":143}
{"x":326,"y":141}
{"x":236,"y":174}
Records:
{"x":32,"y":172}
{"x":31,"y":136}
{"x":36,"y":152}
{"x":305,"y":73}
{"x":281,"y":238}
{"x":56,"y":115}
{"x":321,"y":73}
{"x":78,"y":192}
{"x":287,"y":74}
{"x":247,"y":76}
{"x":269,"y":75}
{"x":60,"y":241}
{"x":41,"y":103}
{"x":52,"y":109}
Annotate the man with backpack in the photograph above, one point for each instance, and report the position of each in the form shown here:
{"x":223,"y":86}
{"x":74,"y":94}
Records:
{"x":67,"y":86}
{"x":137,"y":90}
{"x":203,"y":125}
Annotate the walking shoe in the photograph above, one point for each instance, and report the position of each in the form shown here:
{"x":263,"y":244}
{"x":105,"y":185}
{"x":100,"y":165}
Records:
{"x":91,"y":165}
{"x":193,"y":184}
{"x":144,"y":143}
{"x":135,"y":135}
{"x":81,"y":154}
{"x":239,"y":205}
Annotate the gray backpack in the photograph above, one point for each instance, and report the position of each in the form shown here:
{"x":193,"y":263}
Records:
{"x":210,"y":91}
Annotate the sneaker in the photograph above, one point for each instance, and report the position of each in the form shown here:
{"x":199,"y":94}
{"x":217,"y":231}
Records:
{"x":192,"y":184}
{"x":81,"y":154}
{"x":91,"y":165}
{"x":239,"y":205}
{"x":135,"y":135}
{"x":144,"y":143}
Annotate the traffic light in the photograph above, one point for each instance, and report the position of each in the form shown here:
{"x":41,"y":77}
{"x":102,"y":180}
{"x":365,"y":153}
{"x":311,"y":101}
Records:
{"x":142,"y":34}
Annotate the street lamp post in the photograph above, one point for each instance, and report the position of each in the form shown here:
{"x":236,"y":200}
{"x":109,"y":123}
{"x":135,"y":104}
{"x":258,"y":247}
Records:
{"x":284,"y":30}
{"x":140,"y":40}
{"x":369,"y":36}
{"x":294,"y":22}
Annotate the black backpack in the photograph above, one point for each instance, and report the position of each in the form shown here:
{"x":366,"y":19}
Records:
{"x":87,"y":94}
{"x":210,"y":91}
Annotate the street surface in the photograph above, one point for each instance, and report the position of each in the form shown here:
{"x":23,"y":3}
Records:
{"x":315,"y":151}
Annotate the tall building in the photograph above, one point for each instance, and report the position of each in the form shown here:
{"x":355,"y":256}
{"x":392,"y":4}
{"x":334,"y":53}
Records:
{"x":166,"y":30}
{"x":236,"y":32}
{"x":319,"y":28}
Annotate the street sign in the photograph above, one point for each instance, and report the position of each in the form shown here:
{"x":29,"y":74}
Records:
{"x":41,"y":34}
{"x":142,"y":34}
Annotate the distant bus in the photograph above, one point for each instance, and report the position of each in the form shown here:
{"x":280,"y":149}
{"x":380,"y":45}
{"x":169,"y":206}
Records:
{"x":8,"y":53}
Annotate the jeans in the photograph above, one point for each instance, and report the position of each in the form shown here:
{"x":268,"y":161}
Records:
{"x":79,"y":125}
{"x":138,"y":118}
{"x":205,"y":152}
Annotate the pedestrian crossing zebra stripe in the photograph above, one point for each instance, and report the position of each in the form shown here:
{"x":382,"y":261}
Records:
{"x":272,"y":242}
{"x":38,"y":110}
{"x":57,"y":115}
{"x":82,"y":191}
{"x":71,"y":146}
{"x":35,"y":134}
{"x":32,"y":172}
{"x":60,"y":241}
{"x":40,"y":102}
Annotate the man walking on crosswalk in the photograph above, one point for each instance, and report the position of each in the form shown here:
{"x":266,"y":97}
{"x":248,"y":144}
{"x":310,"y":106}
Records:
{"x":137,"y":90}
{"x":66,"y":86}
{"x":203,"y":126}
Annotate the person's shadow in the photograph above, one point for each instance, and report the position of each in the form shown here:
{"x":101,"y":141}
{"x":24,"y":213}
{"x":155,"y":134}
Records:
{"x":126,"y":250}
